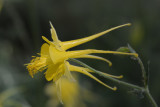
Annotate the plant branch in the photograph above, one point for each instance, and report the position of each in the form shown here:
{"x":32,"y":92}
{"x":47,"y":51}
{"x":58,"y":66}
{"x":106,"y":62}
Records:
{"x":145,"y":78}
{"x":129,"y":85}
{"x":144,"y":74}
{"x":105,"y":76}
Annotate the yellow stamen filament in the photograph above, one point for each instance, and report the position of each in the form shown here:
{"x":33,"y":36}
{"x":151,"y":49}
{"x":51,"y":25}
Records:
{"x":73,"y":43}
{"x":37,"y":64}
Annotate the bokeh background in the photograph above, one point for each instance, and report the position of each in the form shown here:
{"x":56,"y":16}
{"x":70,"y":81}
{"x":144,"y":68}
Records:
{"x":23,"y":22}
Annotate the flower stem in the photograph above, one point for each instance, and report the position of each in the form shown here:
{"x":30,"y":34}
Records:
{"x":129,"y":85}
{"x":150,"y":98}
{"x":144,"y":74}
{"x":145,"y":78}
{"x":105,"y":76}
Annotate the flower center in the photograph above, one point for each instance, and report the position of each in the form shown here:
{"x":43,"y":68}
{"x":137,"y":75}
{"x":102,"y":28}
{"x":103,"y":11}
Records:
{"x":37,"y":64}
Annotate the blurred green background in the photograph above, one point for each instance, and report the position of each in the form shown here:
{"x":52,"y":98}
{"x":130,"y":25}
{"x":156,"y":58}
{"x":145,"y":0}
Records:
{"x":23,"y":22}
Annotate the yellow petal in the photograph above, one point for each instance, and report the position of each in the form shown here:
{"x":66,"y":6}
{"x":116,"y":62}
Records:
{"x":49,"y":42}
{"x":113,"y":76}
{"x":53,"y":72}
{"x":56,"y":41}
{"x":54,"y":34}
{"x":95,"y":57}
{"x":69,"y":44}
{"x":58,"y":87}
{"x":56,"y":55}
{"x":45,"y":49}
{"x":75,"y":54}
{"x":50,"y":71}
{"x":83,"y":71}
{"x":67,"y":71}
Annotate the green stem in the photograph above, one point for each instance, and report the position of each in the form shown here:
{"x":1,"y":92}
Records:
{"x":142,"y":89}
{"x":145,"y":78}
{"x":145,"y":81}
{"x":149,"y":96}
{"x":144,"y":74}
{"x":110,"y":78}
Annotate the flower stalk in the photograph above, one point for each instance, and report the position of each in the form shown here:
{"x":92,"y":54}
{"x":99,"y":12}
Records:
{"x":145,"y":78}
{"x":108,"y":77}
{"x":144,"y":89}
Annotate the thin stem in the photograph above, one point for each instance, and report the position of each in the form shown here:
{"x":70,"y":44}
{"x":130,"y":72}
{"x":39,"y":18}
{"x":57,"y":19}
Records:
{"x":142,"y":89}
{"x":149,"y":96}
{"x":145,"y":81}
{"x":144,"y":74}
{"x":110,"y":78}
{"x":145,"y":78}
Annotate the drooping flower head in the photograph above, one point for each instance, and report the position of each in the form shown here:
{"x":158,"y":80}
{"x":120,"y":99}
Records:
{"x":54,"y":57}
{"x":71,"y":94}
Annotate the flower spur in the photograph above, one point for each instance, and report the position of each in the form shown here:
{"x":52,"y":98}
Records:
{"x":54,"y":57}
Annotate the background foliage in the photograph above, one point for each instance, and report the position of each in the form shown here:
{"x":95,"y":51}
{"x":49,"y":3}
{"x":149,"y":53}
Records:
{"x":23,"y":22}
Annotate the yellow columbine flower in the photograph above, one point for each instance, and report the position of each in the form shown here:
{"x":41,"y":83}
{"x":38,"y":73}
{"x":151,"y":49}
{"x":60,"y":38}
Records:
{"x":71,"y":94}
{"x":54,"y":56}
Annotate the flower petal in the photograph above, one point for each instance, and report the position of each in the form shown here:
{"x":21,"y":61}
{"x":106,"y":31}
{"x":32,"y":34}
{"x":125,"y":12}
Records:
{"x":53,"y":33}
{"x":49,"y":42}
{"x":53,"y":72}
{"x":83,"y":71}
{"x":73,"y":43}
{"x":67,"y":71}
{"x":75,"y":54}
{"x":58,"y":88}
{"x":109,"y":75}
{"x":56,"y":55}
{"x":54,"y":36}
{"x":45,"y":49}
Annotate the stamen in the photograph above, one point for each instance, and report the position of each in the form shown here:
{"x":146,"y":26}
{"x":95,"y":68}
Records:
{"x":36,"y":64}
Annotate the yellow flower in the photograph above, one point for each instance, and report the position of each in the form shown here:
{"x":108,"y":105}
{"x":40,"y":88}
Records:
{"x":54,"y":56}
{"x":71,"y":94}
